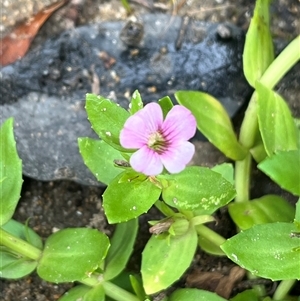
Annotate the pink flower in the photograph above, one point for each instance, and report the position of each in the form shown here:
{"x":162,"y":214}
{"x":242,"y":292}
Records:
{"x":160,"y":143}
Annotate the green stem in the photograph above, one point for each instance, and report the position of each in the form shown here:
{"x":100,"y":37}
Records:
{"x":259,"y":289}
{"x":283,"y":289}
{"x":249,"y":128}
{"x":211,"y":236}
{"x":115,"y":292}
{"x":19,"y":246}
{"x":111,"y":290}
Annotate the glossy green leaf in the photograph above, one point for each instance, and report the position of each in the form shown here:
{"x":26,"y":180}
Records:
{"x":96,"y":293}
{"x":275,"y":121}
{"x":137,"y":285}
{"x":72,"y":254}
{"x":258,"y":152}
{"x":267,"y":250}
{"x":23,"y":232}
{"x":197,"y":188}
{"x":193,"y":294}
{"x":14,"y":267}
{"x":99,"y":157}
{"x":258,"y":50}
{"x":283,"y":168}
{"x":164,"y":260}
{"x":267,"y":209}
{"x":107,"y":118}
{"x":10,"y":172}
{"x":136,"y":102}
{"x":213,"y":121}
{"x":248,"y":295}
{"x":165,"y":104}
{"x":209,"y":246}
{"x":121,"y":248}
{"x":123,"y":201}
{"x":226,"y":170}
{"x":75,"y":293}
{"x":297,"y":215}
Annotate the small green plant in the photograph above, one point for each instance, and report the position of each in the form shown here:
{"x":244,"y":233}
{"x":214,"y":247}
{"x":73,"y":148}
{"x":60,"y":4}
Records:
{"x":143,"y":157}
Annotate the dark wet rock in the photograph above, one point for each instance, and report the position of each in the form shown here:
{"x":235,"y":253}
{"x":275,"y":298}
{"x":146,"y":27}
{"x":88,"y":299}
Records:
{"x":45,"y":91}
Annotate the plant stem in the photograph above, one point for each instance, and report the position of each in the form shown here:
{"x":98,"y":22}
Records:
{"x":19,"y":246}
{"x":111,"y":290}
{"x":249,"y":128}
{"x":259,"y":289}
{"x":283,"y":289}
{"x":117,"y":293}
{"x":211,"y":236}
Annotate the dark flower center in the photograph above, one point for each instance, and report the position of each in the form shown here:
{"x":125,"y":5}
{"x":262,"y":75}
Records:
{"x":157,"y":142}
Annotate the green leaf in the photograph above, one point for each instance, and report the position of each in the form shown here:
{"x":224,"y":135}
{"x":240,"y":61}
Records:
{"x":23,"y":232}
{"x":72,"y":254}
{"x":267,"y":209}
{"x":107,"y":119}
{"x":121,"y":248}
{"x":166,"y":105}
{"x":297,"y":215}
{"x":164,"y":260}
{"x":213,"y":121}
{"x":137,"y":285}
{"x":258,"y":152}
{"x":193,"y":294}
{"x":75,"y":293}
{"x":123,"y":201}
{"x":96,"y":293}
{"x":258,"y":50}
{"x":283,"y":168}
{"x":267,"y":250}
{"x":14,"y":267}
{"x":136,"y":102}
{"x":10,"y":172}
{"x":248,"y":295}
{"x":99,"y":157}
{"x":226,"y":170}
{"x":197,"y":188}
{"x":275,"y":121}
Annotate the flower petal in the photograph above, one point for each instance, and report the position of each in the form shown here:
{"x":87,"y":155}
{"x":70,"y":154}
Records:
{"x":146,"y":161}
{"x":180,"y":124}
{"x":138,"y":127}
{"x":178,"y":156}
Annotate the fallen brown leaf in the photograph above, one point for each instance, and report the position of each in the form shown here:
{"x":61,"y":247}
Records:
{"x":15,"y":45}
{"x":216,"y":281}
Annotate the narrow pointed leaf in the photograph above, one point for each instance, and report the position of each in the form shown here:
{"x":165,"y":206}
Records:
{"x":136,"y":102}
{"x":276,"y":124}
{"x":165,"y":104}
{"x":10,"y":172}
{"x":121,"y":248}
{"x":258,"y":50}
{"x":213,"y":121}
